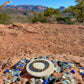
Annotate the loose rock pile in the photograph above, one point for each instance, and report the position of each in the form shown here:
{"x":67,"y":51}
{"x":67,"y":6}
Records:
{"x":59,"y":67}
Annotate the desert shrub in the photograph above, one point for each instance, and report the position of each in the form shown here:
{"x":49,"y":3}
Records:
{"x":4,"y":18}
{"x":46,"y":16}
{"x":66,"y":20}
{"x":35,"y":19}
{"x":39,"y":18}
{"x":77,"y":11}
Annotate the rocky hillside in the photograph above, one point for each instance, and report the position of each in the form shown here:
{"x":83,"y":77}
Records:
{"x":27,"y":7}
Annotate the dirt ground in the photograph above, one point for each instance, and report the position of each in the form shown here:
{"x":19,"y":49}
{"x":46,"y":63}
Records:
{"x":60,"y":41}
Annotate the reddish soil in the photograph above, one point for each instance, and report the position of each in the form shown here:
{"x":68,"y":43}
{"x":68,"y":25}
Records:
{"x":62,"y":42}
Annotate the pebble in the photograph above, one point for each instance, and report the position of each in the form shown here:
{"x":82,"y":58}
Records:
{"x":68,"y":79}
{"x":17,"y":69}
{"x":72,"y":81}
{"x":82,"y":73}
{"x":39,"y":81}
{"x":70,"y":65}
{"x":15,"y":66}
{"x":27,"y":58}
{"x":82,"y":68}
{"x":47,"y":57}
{"x":53,"y":63}
{"x":22,"y":65}
{"x":35,"y":58}
{"x":64,"y":82}
{"x":18,"y":79}
{"x":7,"y":70}
{"x":59,"y":63}
{"x":7,"y":81}
{"x":19,"y":62}
{"x":45,"y":80}
{"x":49,"y":78}
{"x":61,"y":70}
{"x":32,"y":81}
{"x":27,"y":61}
{"x":72,"y":71}
{"x":40,"y":57}
{"x":58,"y":80}
{"x":63,"y":77}
{"x":52,"y":81}
{"x":57,"y":69}
{"x":67,"y":72}
{"x":16,"y":74}
{"x":23,"y":61}
{"x":14,"y":78}
{"x":28,"y":82}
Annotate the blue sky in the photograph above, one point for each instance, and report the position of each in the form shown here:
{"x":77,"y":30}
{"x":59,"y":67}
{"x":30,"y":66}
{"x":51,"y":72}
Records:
{"x":47,"y":3}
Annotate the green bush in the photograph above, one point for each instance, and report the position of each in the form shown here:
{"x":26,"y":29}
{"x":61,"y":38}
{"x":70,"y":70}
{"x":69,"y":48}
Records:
{"x":4,"y":18}
{"x":47,"y":16}
{"x":39,"y":18}
{"x":50,"y":12}
{"x":66,"y":20}
{"x":35,"y":19}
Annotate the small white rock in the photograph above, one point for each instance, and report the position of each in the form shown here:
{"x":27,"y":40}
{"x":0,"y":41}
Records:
{"x":81,"y":70}
{"x":63,"y":77}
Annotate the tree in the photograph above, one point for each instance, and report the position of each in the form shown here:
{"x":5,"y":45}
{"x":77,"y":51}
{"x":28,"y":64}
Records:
{"x":48,"y":12}
{"x":48,"y":15}
{"x":80,"y":7}
{"x":51,"y":11}
{"x":77,"y":11}
{"x":57,"y":12}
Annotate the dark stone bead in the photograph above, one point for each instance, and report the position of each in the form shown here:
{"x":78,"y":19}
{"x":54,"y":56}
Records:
{"x":59,"y":63}
{"x":61,"y":70}
{"x":18,"y":79}
{"x":28,"y":82}
{"x":22,"y":73}
{"x":58,"y":80}
{"x":65,"y":62}
{"x":35,"y":58}
{"x":52,"y":81}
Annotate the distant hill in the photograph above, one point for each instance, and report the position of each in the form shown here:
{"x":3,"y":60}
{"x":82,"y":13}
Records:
{"x":15,"y":12}
{"x":19,"y":15}
{"x":38,"y":8}
{"x":23,"y":13}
